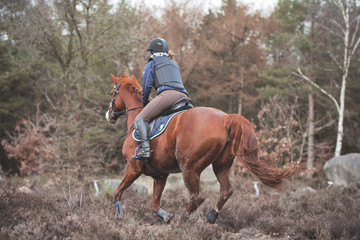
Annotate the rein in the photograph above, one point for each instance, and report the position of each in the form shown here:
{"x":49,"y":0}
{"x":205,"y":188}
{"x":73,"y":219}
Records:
{"x":124,"y":112}
{"x":121,"y":112}
{"x":127,"y":132}
{"x":112,"y":105}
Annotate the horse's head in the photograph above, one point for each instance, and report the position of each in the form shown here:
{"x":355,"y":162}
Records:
{"x":117,"y":107}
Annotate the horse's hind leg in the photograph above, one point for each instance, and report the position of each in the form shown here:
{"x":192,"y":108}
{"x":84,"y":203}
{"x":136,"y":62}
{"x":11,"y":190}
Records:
{"x":221,"y":170}
{"x":192,"y":183}
{"x":159,"y":185}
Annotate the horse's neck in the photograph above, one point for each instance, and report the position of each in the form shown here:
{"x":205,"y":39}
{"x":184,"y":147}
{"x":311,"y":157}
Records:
{"x":131,"y":117}
{"x":131,"y":102}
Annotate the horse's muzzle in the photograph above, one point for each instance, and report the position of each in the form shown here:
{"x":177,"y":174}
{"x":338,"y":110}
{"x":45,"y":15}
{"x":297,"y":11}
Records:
{"x":110,"y":118}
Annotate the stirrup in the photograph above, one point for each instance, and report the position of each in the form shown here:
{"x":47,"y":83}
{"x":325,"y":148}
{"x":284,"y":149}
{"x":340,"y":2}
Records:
{"x":139,"y":154}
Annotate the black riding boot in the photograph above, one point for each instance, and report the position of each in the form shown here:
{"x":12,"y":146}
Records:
{"x":142,"y":127}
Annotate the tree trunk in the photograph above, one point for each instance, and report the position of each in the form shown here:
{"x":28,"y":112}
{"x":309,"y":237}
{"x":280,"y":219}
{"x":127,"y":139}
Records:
{"x":37,"y":99}
{"x":345,"y":69}
{"x":240,"y":103}
{"x":310,"y":149}
{"x":80,"y":123}
{"x":340,"y":132}
{"x":84,"y":46}
{"x":64,"y":101}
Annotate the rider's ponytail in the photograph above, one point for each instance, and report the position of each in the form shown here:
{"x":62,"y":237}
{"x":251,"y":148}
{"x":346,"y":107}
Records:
{"x":171,"y":54}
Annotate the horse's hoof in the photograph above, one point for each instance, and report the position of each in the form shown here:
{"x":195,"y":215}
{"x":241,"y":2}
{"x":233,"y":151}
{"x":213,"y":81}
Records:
{"x":212,"y":216}
{"x":164,"y":215}
{"x":118,"y":210}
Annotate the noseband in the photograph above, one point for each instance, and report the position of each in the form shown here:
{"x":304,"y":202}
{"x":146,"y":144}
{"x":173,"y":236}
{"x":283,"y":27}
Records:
{"x":113,"y":111}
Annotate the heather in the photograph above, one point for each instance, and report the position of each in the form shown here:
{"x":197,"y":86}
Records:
{"x":65,"y":208}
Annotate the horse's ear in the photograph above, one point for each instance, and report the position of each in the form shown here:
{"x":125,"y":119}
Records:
{"x":114,"y":79}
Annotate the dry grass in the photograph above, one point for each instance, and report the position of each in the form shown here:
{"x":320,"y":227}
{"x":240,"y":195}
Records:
{"x":69,"y":210}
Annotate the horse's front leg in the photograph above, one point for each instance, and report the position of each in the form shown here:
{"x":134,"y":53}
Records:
{"x":159,"y":185}
{"x":129,"y":177}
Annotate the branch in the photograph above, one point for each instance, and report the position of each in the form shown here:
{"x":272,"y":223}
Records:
{"x":48,"y":99}
{"x":324,"y":126}
{"x":331,"y":31}
{"x":301,"y":75}
{"x":355,"y":46}
{"x":344,"y":10}
{"x":338,"y":25}
{"x":357,"y":19}
{"x":335,"y":60}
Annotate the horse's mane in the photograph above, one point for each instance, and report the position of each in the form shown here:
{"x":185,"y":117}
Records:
{"x":132,"y":84}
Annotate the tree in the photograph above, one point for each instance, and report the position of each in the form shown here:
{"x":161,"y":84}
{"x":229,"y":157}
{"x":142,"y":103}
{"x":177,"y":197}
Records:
{"x":16,"y":69}
{"x":92,"y":24}
{"x":293,"y":43}
{"x":179,"y":25}
{"x":344,"y":25}
{"x":232,"y":58}
{"x":75,"y":45}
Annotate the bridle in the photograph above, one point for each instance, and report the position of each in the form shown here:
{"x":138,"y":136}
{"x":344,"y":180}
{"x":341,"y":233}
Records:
{"x":114,"y":112}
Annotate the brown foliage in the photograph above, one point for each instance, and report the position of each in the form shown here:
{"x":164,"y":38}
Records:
{"x":231,"y":57}
{"x":279,"y":131}
{"x":219,"y":54}
{"x":31,"y":146}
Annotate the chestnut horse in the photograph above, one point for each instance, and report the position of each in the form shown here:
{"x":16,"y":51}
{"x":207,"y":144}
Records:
{"x":193,"y":140}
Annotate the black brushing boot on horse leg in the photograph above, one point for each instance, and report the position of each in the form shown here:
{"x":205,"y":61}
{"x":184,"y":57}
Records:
{"x":142,"y":127}
{"x":212,"y":216}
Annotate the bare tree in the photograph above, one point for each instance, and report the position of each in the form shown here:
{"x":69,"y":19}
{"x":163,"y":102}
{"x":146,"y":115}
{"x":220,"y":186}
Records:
{"x":347,"y":29}
{"x":42,"y":30}
{"x":179,"y":25}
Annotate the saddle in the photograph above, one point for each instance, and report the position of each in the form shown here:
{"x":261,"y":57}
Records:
{"x":181,"y":105}
{"x":158,"y":125}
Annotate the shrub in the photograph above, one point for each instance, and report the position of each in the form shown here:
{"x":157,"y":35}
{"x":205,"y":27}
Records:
{"x":31,"y":146}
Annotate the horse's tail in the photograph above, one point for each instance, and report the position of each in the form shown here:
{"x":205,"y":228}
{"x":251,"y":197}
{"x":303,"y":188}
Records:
{"x":244,"y":146}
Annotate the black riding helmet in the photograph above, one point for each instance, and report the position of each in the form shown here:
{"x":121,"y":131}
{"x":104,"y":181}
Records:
{"x":158,"y":45}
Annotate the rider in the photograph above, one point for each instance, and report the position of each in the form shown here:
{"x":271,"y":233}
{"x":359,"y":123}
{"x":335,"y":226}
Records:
{"x":162,"y":73}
